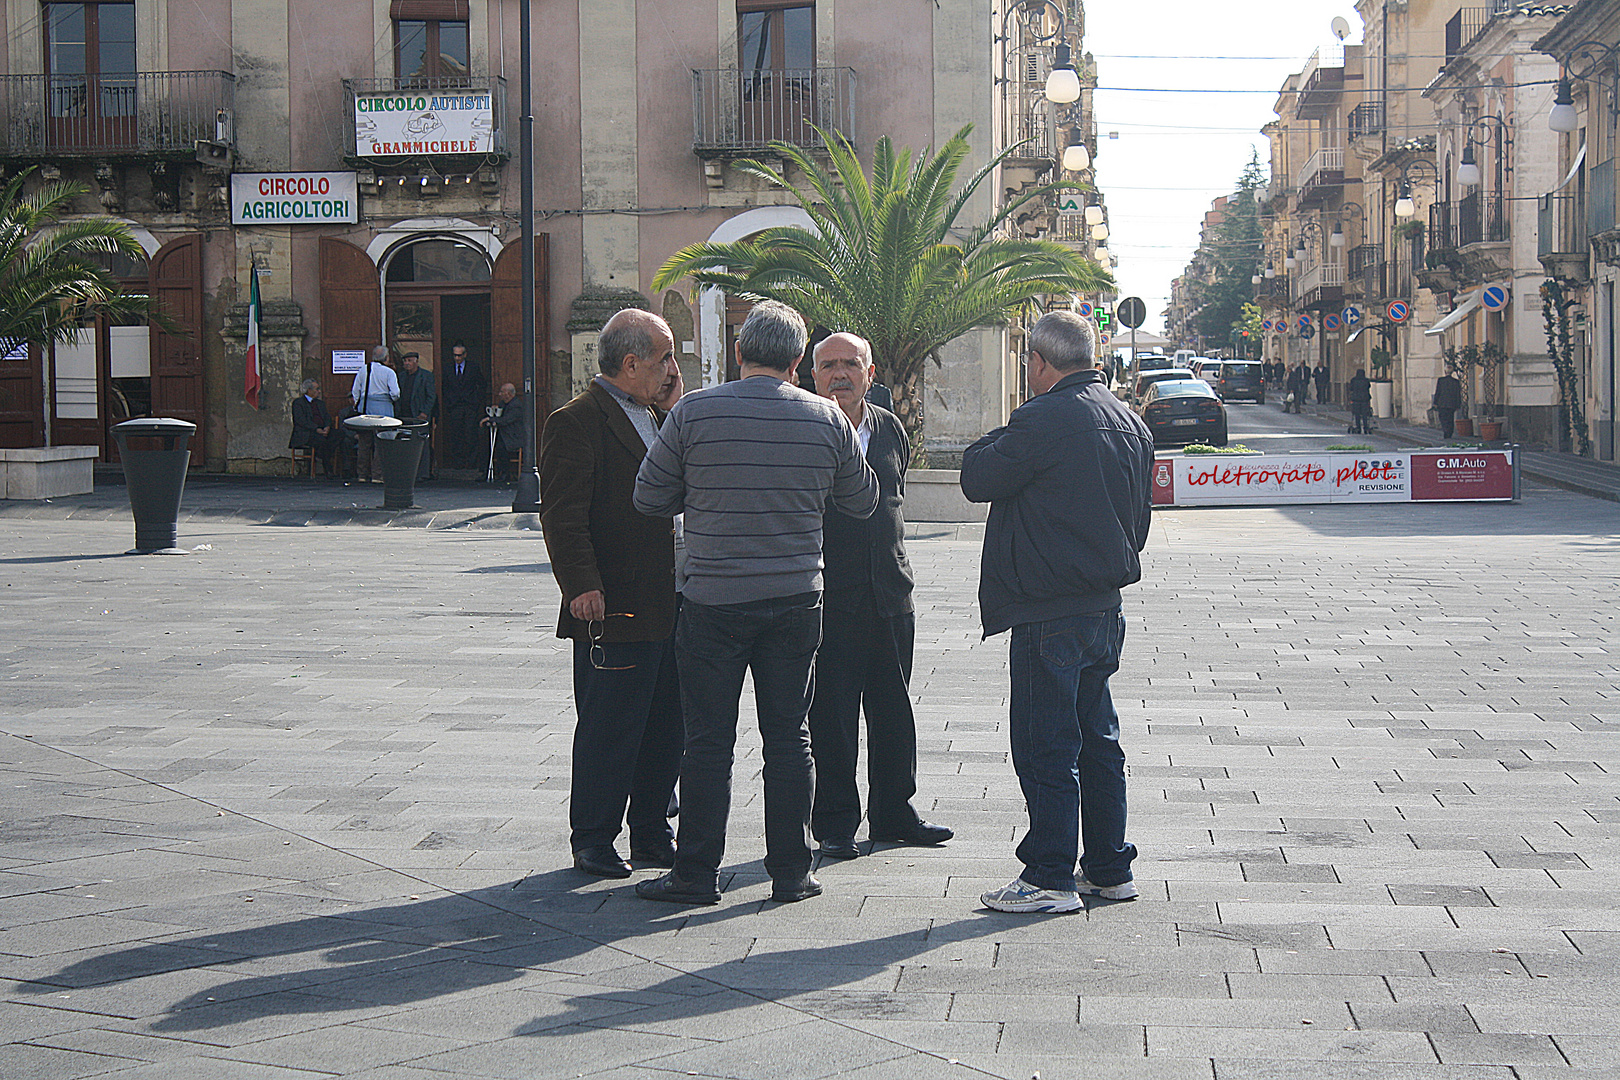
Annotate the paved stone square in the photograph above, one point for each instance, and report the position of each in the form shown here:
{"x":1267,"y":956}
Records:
{"x":295,"y":806}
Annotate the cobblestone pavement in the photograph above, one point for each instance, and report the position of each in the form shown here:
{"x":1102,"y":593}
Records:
{"x":295,"y":806}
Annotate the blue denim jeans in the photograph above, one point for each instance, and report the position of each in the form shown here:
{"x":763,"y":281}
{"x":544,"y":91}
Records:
{"x":714,"y":646}
{"x":1065,"y":749}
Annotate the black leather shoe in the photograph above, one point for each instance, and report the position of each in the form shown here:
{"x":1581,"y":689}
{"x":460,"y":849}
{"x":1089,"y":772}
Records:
{"x":662,"y":856}
{"x":922,"y":834}
{"x":792,"y":890}
{"x":601,"y":861}
{"x":839,"y":847}
{"x":673,"y":890}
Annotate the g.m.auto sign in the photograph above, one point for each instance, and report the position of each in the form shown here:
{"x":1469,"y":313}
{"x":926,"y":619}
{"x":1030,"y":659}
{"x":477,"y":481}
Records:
{"x":396,"y":124}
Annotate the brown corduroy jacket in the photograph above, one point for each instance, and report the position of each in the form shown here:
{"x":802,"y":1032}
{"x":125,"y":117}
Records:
{"x":589,"y":455}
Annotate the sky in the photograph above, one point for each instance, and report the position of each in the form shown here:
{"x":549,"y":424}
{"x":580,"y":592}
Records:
{"x":1177,"y":151}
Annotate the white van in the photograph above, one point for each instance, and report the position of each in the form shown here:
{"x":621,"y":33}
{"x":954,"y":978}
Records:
{"x":1184,"y":358}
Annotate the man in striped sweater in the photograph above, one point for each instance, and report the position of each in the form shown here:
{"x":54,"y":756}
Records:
{"x":751,"y":464}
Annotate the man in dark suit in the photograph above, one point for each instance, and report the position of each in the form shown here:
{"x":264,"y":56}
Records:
{"x":616,"y":568}
{"x":465,"y":392}
{"x":312,"y":425}
{"x":511,"y":424}
{"x":868,"y":627}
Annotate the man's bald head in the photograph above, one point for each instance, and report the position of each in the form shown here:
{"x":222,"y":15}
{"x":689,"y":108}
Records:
{"x":630,"y":332}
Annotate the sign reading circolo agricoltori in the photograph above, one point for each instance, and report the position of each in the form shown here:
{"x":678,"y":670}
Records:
{"x":1408,"y":476}
{"x":395,"y":124}
{"x":294,"y":198}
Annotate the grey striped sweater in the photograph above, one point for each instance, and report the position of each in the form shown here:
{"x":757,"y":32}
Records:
{"x":751,"y":464}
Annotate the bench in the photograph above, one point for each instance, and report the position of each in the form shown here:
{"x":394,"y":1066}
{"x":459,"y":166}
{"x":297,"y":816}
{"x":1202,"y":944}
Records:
{"x":46,"y":472}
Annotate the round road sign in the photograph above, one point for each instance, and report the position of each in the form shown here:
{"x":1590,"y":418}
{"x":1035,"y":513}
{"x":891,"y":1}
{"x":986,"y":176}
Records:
{"x":1304,"y":322}
{"x":1307,"y":331}
{"x":1495,"y":297}
{"x":1352,"y":315}
{"x":1330,"y":322}
{"x":1266,"y":325}
{"x":1131,"y":311}
{"x":1398,"y":311}
{"x":1084,"y":310}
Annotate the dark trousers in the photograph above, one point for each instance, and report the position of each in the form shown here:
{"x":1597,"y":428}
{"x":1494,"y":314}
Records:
{"x":1322,"y":392}
{"x":1065,"y":749}
{"x":1360,"y":418}
{"x":714,"y":646}
{"x":1448,"y":421}
{"x":466,"y":444}
{"x":627,"y":743}
{"x":864,"y":659}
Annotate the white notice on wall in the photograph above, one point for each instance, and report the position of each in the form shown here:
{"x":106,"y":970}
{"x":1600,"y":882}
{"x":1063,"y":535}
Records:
{"x":348,"y":361}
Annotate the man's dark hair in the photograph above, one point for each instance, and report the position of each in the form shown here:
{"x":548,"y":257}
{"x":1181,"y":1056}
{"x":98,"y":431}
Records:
{"x":629,"y":332}
{"x":458,"y":344}
{"x":1064,"y":340}
{"x":773,"y":336}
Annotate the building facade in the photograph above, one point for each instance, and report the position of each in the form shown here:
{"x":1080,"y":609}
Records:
{"x":360,"y":158}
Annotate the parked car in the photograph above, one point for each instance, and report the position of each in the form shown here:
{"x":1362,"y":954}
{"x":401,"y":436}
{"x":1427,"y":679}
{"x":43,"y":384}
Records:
{"x":1152,"y":362}
{"x":1241,"y":379}
{"x":1207,"y":369}
{"x":1150,"y":378}
{"x":1181,"y":411}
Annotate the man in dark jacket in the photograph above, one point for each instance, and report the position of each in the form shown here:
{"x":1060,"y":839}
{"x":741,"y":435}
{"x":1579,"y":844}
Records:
{"x":1447,"y":400}
{"x":312,"y":425}
{"x":417,"y":401}
{"x":465,"y":393}
{"x":616,"y":568}
{"x":1068,"y":480}
{"x":867,"y":631}
{"x":1359,"y":391}
{"x":510,"y":424}
{"x":1320,"y":376}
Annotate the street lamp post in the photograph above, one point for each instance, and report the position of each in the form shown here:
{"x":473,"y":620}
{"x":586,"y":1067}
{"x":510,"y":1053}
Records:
{"x":1406,"y":203}
{"x":526,"y":499}
{"x":1584,"y":61}
{"x":1469,"y":173}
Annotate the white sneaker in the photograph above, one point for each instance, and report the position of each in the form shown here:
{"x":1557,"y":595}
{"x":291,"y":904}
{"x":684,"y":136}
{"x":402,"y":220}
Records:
{"x":1020,"y":896}
{"x":1125,"y":890}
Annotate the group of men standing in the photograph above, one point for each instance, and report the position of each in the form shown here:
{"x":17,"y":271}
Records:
{"x":1301,"y":380}
{"x":788,"y":508}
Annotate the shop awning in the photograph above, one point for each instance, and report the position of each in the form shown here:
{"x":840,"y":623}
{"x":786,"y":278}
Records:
{"x":1457,"y":314}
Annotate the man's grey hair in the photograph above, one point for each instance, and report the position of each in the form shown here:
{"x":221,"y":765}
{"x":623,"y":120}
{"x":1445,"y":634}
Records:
{"x":1064,"y":340}
{"x":629,"y":332}
{"x":864,"y":348}
{"x":773,"y":336}
{"x":379,"y":355}
{"x":307,"y":385}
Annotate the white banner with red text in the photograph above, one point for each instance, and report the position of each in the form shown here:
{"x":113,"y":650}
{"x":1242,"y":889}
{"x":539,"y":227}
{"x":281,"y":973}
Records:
{"x":1336,"y":477}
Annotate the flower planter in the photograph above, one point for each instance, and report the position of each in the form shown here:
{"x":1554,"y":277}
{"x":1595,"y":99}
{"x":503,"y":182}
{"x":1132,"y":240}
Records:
{"x":1464,"y":427}
{"x":1490,"y":430}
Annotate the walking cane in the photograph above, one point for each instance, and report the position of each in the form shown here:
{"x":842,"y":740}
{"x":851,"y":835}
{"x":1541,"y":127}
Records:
{"x":489,"y":473}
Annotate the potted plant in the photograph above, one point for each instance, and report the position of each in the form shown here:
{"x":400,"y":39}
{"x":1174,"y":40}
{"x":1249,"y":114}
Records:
{"x":1381,"y":360}
{"x":1490,"y":421}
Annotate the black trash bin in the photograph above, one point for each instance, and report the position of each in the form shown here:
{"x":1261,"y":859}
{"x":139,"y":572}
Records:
{"x":155,"y":480}
{"x":401,"y":450}
{"x":379,"y":428}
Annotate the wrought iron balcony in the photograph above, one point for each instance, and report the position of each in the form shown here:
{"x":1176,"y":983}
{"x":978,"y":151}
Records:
{"x":736,"y":111}
{"x":1322,"y":175}
{"x":148,"y":112}
{"x":1481,"y":219}
{"x":1366,"y":119}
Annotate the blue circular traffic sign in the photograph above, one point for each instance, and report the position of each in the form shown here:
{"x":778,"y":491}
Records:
{"x":1085,"y":309}
{"x":1330,"y":322}
{"x":1352,"y":315}
{"x":1398,"y":311}
{"x":1307,"y":331}
{"x":1495,"y":297}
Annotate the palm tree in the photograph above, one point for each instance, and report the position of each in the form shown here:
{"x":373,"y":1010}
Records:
{"x":50,"y":283}
{"x":887,"y":260}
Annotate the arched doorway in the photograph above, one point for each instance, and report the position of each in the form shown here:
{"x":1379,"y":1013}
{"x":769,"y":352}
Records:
{"x":436,"y":293}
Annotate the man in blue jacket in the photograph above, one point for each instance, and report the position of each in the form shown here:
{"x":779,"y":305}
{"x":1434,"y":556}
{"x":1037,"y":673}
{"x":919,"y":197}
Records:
{"x":1068,"y":480}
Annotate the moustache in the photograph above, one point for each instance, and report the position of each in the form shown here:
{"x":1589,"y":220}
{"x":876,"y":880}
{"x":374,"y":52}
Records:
{"x":840,"y":384}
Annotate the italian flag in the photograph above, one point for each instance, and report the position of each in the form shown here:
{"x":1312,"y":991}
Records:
{"x":250,"y":381}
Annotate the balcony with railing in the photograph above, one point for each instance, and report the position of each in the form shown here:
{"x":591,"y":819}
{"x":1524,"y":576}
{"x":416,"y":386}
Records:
{"x":1321,"y":176}
{"x":1324,"y":281}
{"x":158,"y":113}
{"x":1442,"y":228}
{"x":1562,"y":239}
{"x":1481,"y":219}
{"x":423,"y":116}
{"x":742,"y":111}
{"x":1468,"y":23}
{"x":1364,"y":269}
{"x":1366,"y":119}
{"x":1322,"y":80}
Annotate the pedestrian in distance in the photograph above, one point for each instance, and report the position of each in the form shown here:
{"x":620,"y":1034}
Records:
{"x":419,"y":400}
{"x":868,"y":630}
{"x":1299,"y":379}
{"x":616,"y":569}
{"x":508,"y":425}
{"x":1323,"y":381}
{"x":312,"y":426}
{"x":752,"y":464}
{"x":1068,"y":480}
{"x":1446,"y":401}
{"x":1359,"y":390}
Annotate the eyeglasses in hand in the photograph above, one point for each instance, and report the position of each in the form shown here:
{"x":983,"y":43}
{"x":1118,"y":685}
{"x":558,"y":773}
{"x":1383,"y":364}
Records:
{"x":595,"y":629}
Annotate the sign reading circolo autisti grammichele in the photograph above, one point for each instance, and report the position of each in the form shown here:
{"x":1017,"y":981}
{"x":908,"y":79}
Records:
{"x":318,"y":198}
{"x":424,"y":122}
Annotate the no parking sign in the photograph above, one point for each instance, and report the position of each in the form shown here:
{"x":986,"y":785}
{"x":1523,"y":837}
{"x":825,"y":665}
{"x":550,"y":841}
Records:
{"x":1398,"y":311}
{"x":1084,"y":310}
{"x":1330,"y":322}
{"x":1495,"y":297}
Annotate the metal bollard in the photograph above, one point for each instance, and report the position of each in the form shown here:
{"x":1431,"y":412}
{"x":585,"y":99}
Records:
{"x":155,"y":480}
